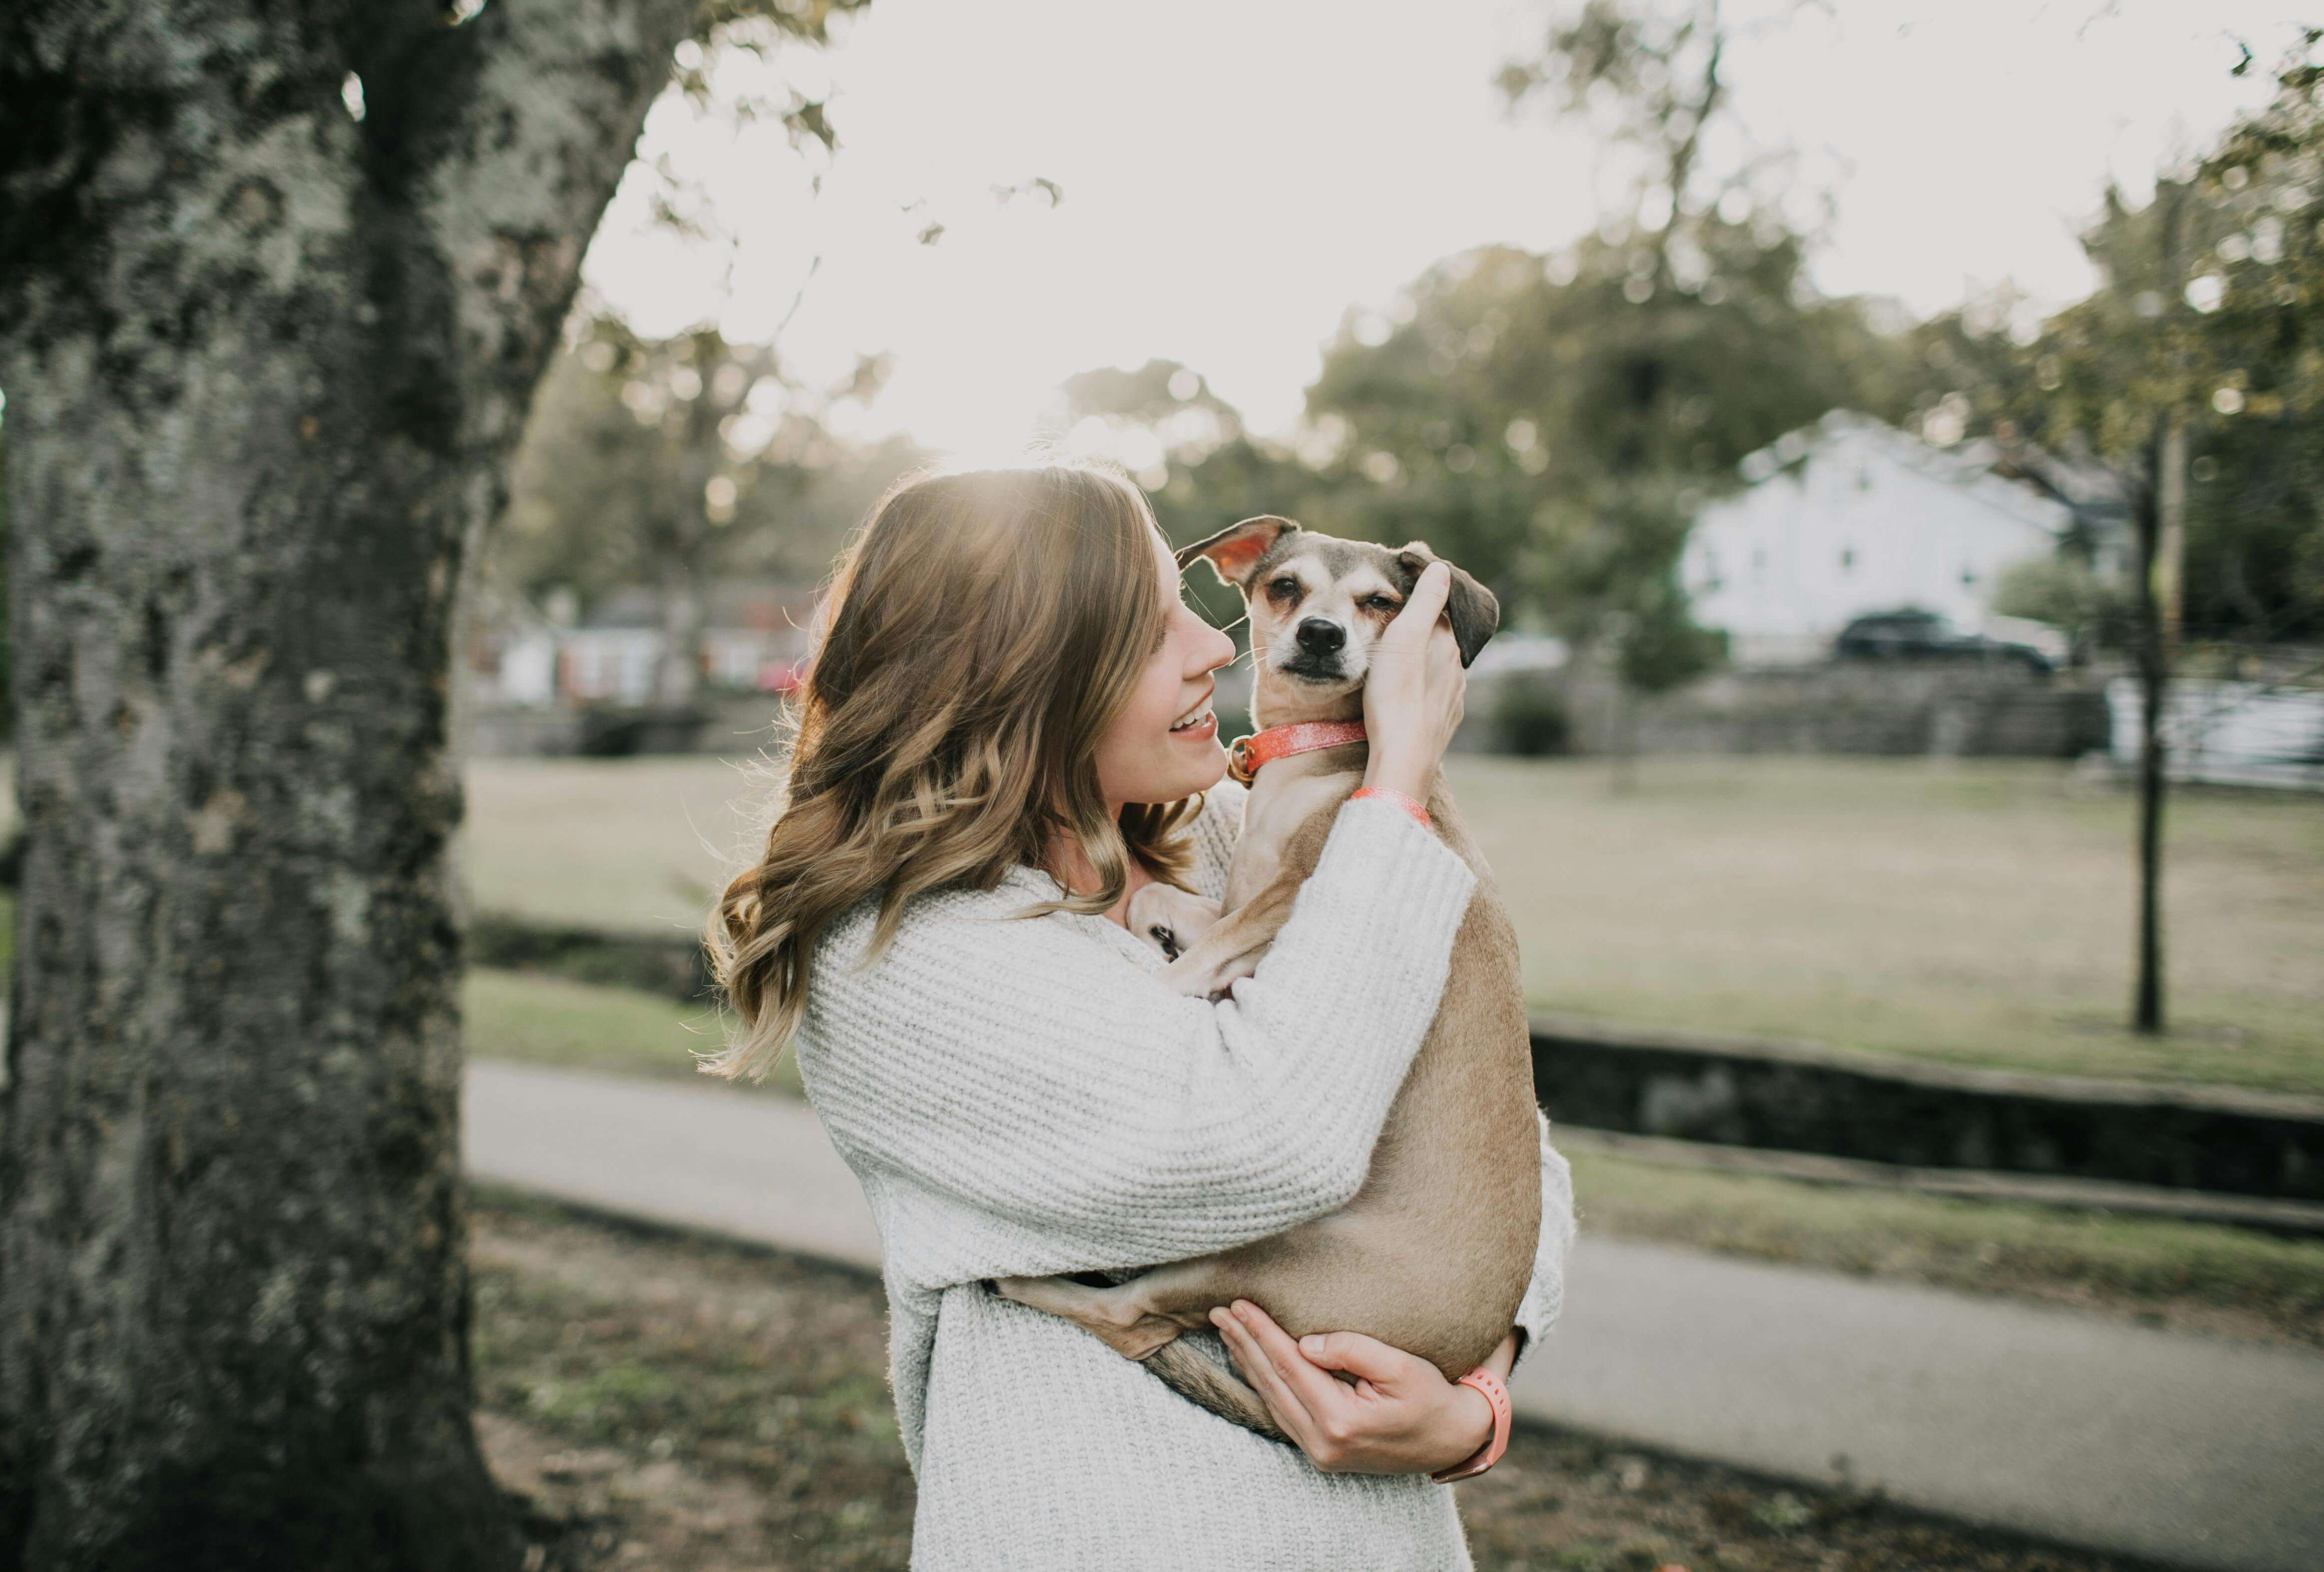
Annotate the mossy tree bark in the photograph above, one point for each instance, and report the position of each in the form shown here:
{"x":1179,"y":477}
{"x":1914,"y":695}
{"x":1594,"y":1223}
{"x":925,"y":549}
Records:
{"x":264,"y":364}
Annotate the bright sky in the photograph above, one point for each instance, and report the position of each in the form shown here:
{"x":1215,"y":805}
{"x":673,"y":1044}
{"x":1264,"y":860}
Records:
{"x":1238,"y":173}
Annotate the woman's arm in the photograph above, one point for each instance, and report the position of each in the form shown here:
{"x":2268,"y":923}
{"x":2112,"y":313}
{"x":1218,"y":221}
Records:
{"x":1018,"y":1070}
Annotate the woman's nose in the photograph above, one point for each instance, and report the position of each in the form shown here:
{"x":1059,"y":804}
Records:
{"x":1223,"y":649}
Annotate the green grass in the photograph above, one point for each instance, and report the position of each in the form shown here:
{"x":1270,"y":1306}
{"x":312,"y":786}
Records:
{"x":1978,"y":912}
{"x":624,"y":845}
{"x":1974,"y":911}
{"x":580,"y":1026}
{"x":2195,"y":1276}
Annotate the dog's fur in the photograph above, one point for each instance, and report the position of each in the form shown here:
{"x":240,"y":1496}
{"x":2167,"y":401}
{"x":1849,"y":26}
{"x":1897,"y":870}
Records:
{"x":1434,"y":1252}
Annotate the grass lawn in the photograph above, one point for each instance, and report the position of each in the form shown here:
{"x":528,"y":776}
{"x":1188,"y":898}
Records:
{"x":580,"y":1025}
{"x":677,"y":1402}
{"x":623,"y":844}
{"x":2197,"y":1277}
{"x":1977,"y":911}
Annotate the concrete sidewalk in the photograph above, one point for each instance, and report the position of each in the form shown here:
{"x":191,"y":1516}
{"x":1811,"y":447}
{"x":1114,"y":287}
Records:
{"x":2181,"y":1449}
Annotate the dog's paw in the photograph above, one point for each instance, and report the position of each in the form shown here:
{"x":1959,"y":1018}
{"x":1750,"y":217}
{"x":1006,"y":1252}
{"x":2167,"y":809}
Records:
{"x":1214,"y":980}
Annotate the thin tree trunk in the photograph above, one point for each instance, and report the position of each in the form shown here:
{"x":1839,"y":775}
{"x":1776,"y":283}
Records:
{"x":264,"y":364}
{"x":1626,"y":747}
{"x":678,"y":669}
{"x":2171,"y":539}
{"x":2153,"y":673}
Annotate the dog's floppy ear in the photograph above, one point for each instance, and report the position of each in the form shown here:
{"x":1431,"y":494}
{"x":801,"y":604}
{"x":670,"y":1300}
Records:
{"x":1472,"y":608}
{"x":1234,"y":551}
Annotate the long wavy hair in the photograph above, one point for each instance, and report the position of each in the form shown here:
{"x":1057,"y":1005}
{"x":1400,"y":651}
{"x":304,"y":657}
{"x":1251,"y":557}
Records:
{"x":979,"y":633}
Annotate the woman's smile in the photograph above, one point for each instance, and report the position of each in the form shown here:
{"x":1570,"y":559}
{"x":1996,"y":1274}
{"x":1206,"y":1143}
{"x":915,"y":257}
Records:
{"x":1197,"y":724}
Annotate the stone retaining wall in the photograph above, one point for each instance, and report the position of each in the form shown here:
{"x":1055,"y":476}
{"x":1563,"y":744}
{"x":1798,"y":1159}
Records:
{"x":1801,"y":1098}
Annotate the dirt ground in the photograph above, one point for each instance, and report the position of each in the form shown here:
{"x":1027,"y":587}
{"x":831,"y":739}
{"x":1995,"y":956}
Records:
{"x":670,"y":1402}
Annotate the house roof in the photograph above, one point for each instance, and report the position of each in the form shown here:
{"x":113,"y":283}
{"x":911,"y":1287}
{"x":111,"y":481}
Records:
{"x":1975,"y":470}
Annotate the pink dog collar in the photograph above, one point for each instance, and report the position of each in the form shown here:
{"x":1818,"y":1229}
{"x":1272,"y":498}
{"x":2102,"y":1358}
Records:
{"x":1246,"y":756}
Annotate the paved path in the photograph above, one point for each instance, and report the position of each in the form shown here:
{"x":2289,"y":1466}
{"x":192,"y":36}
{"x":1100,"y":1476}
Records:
{"x":2184,"y":1449}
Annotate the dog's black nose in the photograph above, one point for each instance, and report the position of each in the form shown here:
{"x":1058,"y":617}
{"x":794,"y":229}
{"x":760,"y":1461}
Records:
{"x":1318,"y":637}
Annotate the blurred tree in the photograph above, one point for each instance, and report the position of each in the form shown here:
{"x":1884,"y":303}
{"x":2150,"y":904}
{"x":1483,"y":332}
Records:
{"x":7,"y":712}
{"x":2254,"y":501}
{"x":1555,"y":423}
{"x":1191,"y":451}
{"x":679,"y":462}
{"x":2067,"y":592}
{"x":2200,"y":350}
{"x":280,"y":280}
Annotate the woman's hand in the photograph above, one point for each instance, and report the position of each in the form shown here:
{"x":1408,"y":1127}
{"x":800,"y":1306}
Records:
{"x":1413,"y":691}
{"x":1397,"y":1415}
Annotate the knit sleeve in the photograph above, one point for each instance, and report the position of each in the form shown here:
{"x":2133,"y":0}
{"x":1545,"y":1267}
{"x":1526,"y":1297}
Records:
{"x":1021,"y":1088}
{"x":1546,"y":1294}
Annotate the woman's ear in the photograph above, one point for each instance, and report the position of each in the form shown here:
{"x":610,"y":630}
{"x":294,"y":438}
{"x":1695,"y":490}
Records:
{"x":1234,"y":551}
{"x":1473,"y":610}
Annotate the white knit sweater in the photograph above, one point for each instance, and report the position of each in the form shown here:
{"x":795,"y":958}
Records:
{"x":1027,"y":1096}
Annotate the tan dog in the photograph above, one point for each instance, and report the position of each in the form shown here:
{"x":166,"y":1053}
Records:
{"x":1434,"y":1254}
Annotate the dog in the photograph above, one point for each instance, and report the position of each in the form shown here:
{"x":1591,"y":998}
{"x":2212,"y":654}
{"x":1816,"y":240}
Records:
{"x":1434,"y":1254}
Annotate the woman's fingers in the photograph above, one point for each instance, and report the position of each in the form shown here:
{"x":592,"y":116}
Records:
{"x":1368,"y":1358}
{"x":1324,"y":1398}
{"x":1411,"y":626}
{"x":1260,"y":1373}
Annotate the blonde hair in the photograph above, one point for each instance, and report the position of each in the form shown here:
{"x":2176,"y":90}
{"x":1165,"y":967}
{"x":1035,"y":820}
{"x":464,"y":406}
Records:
{"x":981,"y":631}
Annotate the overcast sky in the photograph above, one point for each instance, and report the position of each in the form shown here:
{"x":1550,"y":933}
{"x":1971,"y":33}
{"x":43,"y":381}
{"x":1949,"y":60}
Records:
{"x":1238,"y":173}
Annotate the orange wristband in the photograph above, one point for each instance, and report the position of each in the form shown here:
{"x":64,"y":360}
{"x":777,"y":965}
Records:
{"x":1486,"y":1456}
{"x":1400,"y":800}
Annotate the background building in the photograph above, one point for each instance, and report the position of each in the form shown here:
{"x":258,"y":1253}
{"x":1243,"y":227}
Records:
{"x":1851,"y":516}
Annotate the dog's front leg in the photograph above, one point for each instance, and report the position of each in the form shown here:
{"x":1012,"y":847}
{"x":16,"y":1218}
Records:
{"x":1231,"y":949}
{"x":1171,"y":919}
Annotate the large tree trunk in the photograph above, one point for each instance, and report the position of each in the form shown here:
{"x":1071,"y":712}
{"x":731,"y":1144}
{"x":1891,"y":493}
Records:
{"x":264,"y":364}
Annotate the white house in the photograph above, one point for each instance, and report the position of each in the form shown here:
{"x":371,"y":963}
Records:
{"x":1851,"y":516}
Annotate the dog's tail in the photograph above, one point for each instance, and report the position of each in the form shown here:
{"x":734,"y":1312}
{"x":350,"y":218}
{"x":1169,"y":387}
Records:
{"x":1190,"y":1375}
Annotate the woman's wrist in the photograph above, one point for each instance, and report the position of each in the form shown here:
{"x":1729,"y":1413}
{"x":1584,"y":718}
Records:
{"x":1469,"y":1426}
{"x":1405,"y":777}
{"x":1473,"y":1421}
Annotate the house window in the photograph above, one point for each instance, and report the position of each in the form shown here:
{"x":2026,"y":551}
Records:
{"x":1847,"y":557}
{"x":1759,"y":561}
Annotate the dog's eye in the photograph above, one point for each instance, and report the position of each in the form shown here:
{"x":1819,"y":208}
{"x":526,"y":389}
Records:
{"x":1285,"y":588}
{"x":1379,"y":603}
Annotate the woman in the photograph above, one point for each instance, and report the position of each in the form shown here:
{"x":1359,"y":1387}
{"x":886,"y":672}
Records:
{"x":1004,"y":734}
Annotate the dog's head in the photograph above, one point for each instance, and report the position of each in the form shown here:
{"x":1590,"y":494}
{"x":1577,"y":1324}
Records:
{"x":1318,"y":603}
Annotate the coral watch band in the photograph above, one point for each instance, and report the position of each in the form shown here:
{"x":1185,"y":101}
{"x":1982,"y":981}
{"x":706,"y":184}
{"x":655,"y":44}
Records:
{"x":1486,"y":1456}
{"x":1416,"y":809}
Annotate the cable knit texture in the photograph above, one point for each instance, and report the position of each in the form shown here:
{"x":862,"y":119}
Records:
{"x":1025,"y":1096}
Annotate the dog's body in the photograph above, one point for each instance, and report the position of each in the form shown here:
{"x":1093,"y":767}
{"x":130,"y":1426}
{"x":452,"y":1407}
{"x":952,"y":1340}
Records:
{"x":1434,"y":1254}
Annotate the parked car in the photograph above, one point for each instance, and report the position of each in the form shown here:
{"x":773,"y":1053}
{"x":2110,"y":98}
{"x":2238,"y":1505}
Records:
{"x":1915,"y":635}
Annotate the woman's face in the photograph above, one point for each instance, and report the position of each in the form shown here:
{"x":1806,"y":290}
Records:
{"x":1142,"y":759}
